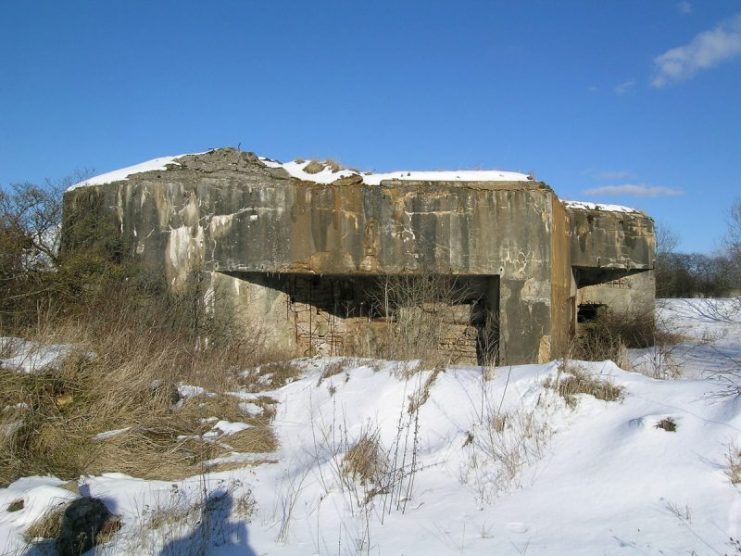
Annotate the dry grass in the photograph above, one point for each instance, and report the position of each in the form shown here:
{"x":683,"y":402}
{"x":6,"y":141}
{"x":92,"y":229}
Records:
{"x":365,"y":461}
{"x":47,"y":526}
{"x":49,"y":420}
{"x":668,"y":424}
{"x":257,"y":440}
{"x":334,"y":368}
{"x":316,"y":166}
{"x":611,"y":334}
{"x":268,"y":376}
{"x":576,"y":381}
{"x":245,"y":505}
{"x":422,"y":394}
{"x":733,"y":462}
{"x":207,"y":522}
{"x":171,"y":515}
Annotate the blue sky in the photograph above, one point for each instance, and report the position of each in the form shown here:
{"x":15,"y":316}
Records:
{"x":624,"y":102}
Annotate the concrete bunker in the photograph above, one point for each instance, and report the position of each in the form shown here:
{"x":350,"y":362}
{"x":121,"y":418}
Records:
{"x":340,"y":314}
{"x":330,"y":261}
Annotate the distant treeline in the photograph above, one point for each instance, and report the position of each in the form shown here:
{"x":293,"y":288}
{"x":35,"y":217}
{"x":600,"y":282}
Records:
{"x":697,"y":275}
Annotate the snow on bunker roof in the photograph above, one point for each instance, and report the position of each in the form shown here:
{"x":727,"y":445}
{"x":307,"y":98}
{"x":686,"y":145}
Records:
{"x":328,"y":172}
{"x":318,"y":172}
{"x":122,"y":174}
{"x":584,"y":205}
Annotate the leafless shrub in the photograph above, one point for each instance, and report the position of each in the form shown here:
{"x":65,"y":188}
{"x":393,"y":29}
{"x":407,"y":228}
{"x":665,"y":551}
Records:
{"x":714,"y":309}
{"x":681,"y":513}
{"x":609,"y":335}
{"x":501,"y":442}
{"x":668,"y":424}
{"x":421,"y":317}
{"x":369,"y":473}
{"x":286,"y":501}
{"x":508,"y":441}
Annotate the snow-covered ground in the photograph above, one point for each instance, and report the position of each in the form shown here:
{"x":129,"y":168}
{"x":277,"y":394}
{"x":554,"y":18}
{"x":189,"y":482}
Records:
{"x":471,"y":462}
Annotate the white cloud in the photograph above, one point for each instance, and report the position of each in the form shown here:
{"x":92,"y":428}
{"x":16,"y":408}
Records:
{"x":634,"y":190}
{"x":706,"y":50}
{"x":609,"y":174}
{"x":624,"y":87}
{"x":684,"y":8}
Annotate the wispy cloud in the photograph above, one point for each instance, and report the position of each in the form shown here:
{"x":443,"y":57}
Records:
{"x":684,"y":8}
{"x":624,"y":87}
{"x":706,"y":50}
{"x":609,"y":174}
{"x":634,"y":190}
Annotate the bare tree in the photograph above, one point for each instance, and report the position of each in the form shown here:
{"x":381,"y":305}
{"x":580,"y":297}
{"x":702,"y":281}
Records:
{"x":666,"y":240}
{"x":733,"y":243}
{"x":30,"y":222}
{"x":665,"y":271}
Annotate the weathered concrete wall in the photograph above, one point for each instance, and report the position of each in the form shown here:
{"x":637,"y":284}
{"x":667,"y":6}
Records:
{"x":613,"y":254}
{"x":630,"y":294}
{"x":227,"y":214}
{"x":225,"y":211}
{"x":611,"y":240}
{"x":562,"y":302}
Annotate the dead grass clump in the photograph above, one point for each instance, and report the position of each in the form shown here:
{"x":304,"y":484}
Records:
{"x":207,"y":522}
{"x":316,"y":166}
{"x":422,"y":394}
{"x":48,"y":526}
{"x":733,"y":461}
{"x":335,"y":368}
{"x":668,"y":424}
{"x":365,"y":461}
{"x":258,"y":440}
{"x":204,"y":406}
{"x":579,"y":382}
{"x":269,"y":376}
{"x":169,"y":516}
{"x":245,"y":505}
{"x":152,"y":454}
{"x":313,"y":167}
